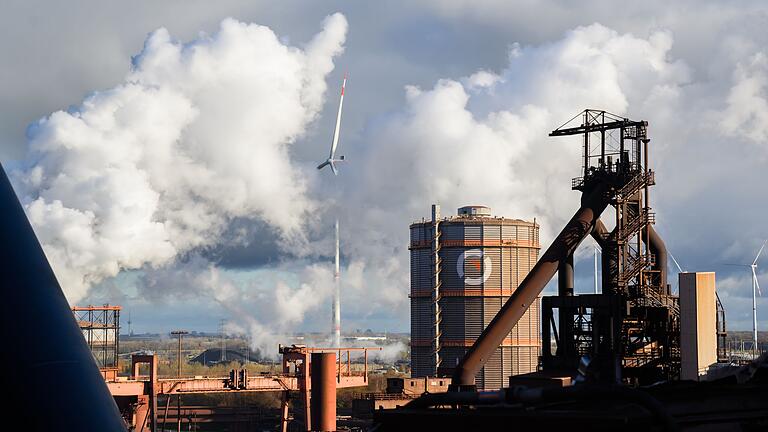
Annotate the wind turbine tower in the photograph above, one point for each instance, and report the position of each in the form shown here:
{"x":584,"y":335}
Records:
{"x":331,"y":161}
{"x":337,"y":295}
{"x":755,"y":290}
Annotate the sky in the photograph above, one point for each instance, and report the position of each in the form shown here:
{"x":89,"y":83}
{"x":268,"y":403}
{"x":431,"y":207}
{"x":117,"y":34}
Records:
{"x":165,"y":152}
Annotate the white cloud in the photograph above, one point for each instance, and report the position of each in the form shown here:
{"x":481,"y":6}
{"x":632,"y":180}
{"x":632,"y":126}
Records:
{"x":199,"y":133}
{"x":746,"y":114}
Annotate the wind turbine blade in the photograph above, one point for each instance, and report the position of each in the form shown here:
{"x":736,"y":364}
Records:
{"x":754,"y":275}
{"x":333,"y":168}
{"x":337,"y":129}
{"x":759,"y":252}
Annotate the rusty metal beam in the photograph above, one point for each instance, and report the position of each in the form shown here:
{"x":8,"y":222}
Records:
{"x":580,"y":226}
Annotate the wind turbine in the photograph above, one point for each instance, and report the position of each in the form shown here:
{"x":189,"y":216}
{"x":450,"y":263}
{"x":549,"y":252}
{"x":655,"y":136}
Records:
{"x":331,"y":161}
{"x":755,"y":291}
{"x":332,"y":155}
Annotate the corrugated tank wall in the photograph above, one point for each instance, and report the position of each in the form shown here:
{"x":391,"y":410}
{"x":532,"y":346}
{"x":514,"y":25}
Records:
{"x":483,"y":260}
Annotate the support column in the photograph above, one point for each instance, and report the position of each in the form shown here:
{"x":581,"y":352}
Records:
{"x":151,"y":360}
{"x":153,"y":391}
{"x":305,"y":392}
{"x":284,"y":412}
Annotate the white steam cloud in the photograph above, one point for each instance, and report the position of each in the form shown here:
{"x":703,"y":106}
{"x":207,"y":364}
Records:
{"x":199,"y":133}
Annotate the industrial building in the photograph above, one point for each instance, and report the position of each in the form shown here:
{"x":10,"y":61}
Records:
{"x":635,"y":356}
{"x":463,"y":269}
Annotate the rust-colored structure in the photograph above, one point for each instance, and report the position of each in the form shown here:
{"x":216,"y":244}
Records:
{"x":632,"y":329}
{"x":595,"y":344}
{"x":101,"y":329}
{"x":323,"y":371}
{"x":138,"y":394}
{"x":463,"y":268}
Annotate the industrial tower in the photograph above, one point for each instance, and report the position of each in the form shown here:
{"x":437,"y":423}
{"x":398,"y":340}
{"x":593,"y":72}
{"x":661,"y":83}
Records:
{"x":632,"y":329}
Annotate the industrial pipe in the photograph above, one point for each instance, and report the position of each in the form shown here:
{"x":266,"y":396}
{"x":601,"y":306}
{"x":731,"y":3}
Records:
{"x":57,"y":385}
{"x":608,"y":260}
{"x":565,"y":316}
{"x":581,"y":225}
{"x":658,"y":248}
{"x":323,"y":371}
{"x":565,"y":277}
{"x":600,"y":234}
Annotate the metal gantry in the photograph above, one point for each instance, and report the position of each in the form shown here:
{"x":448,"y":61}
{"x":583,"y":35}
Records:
{"x":101,"y":328}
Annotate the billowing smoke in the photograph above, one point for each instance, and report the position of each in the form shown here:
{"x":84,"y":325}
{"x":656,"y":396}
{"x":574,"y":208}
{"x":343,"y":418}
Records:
{"x":264,"y":309}
{"x":198,"y":134}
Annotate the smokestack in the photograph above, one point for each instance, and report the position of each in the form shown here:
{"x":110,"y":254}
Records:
{"x":58,"y":376}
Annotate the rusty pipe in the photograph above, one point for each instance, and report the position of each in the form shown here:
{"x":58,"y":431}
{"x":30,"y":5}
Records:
{"x":323,"y":371}
{"x":658,"y":248}
{"x":600,"y":234}
{"x":608,"y":261}
{"x":565,"y":289}
{"x":565,"y":277}
{"x":581,"y":225}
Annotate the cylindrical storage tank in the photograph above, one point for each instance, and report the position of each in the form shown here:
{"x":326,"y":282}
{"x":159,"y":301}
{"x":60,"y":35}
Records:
{"x":482,"y":260}
{"x":323,"y":402}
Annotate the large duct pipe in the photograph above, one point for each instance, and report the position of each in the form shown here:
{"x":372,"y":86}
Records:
{"x":580,"y":226}
{"x":659,"y":249}
{"x":608,"y":262}
{"x":565,"y":316}
{"x":600,"y":234}
{"x":323,"y":373}
{"x":565,"y":277}
{"x":54,"y":382}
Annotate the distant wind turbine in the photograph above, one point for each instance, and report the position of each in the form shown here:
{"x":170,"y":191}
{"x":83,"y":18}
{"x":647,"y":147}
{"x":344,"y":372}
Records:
{"x":755,"y":291}
{"x":331,"y":161}
{"x":332,"y":155}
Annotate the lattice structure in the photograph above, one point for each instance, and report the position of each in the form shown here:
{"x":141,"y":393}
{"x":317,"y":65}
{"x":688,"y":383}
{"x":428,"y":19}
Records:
{"x":101,"y":329}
